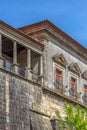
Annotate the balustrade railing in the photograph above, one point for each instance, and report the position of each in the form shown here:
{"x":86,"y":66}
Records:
{"x":21,"y":71}
{"x":7,"y":65}
{"x":74,"y":93}
{"x":35,"y":77}
{"x":58,"y":87}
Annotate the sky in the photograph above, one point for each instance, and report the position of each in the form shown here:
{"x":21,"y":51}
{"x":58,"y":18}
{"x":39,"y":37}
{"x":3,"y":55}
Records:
{"x":69,"y":15}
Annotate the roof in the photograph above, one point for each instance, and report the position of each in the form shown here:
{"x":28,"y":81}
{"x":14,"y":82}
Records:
{"x":20,"y":33}
{"x":46,"y":23}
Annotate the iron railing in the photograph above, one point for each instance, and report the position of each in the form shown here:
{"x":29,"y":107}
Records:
{"x":74,"y":93}
{"x":58,"y":87}
{"x":84,"y":97}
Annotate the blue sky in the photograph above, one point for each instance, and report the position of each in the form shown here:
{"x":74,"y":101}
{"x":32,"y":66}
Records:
{"x":68,"y":15}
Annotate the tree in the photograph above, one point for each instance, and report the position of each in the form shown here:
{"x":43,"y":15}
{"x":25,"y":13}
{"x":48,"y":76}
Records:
{"x":75,"y":118}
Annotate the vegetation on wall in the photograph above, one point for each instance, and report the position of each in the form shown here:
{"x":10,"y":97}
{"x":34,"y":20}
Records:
{"x":75,"y":118}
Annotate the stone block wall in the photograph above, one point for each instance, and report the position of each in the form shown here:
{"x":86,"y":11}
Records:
{"x":24,"y":104}
{"x":2,"y":102}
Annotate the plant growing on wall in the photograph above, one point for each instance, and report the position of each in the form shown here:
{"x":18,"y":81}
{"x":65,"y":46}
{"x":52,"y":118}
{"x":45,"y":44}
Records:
{"x":75,"y":118}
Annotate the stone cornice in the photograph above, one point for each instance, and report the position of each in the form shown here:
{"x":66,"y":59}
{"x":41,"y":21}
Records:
{"x":56,"y":39}
{"x":46,"y":24}
{"x":20,"y":36}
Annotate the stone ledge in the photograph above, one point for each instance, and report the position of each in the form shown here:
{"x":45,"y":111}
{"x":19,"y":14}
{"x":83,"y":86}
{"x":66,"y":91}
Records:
{"x":53,"y":92}
{"x":38,"y":112}
{"x":19,"y":77}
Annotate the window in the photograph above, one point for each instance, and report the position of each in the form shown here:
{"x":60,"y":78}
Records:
{"x":73,"y":83}
{"x":58,"y":79}
{"x":73,"y":87}
{"x":85,"y":90}
{"x":59,"y":71}
{"x":85,"y":94}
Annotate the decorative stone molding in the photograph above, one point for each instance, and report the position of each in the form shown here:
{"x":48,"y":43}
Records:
{"x":60,"y":59}
{"x":84,"y":75}
{"x":75,"y":68}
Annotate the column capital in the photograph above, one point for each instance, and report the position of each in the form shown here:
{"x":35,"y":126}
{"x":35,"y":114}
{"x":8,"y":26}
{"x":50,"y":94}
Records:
{"x":13,"y":40}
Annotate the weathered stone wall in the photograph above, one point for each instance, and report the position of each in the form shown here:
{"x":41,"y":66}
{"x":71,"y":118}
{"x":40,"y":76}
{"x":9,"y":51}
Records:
{"x":18,"y":104}
{"x":17,"y":97}
{"x":20,"y":99}
{"x":2,"y":101}
{"x":51,"y":49}
{"x":50,"y":103}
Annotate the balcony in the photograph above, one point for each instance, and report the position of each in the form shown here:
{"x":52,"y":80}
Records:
{"x":21,"y":71}
{"x":19,"y":60}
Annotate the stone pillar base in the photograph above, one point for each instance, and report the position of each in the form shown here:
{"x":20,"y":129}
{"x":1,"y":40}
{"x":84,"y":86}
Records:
{"x":28,"y":74}
{"x":15,"y":68}
{"x":45,"y":82}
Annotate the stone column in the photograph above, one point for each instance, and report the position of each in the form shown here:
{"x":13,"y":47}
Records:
{"x":41,"y":69}
{"x":14,"y":52}
{"x":28,"y":68}
{"x":15,"y":65}
{"x":29,"y":58}
{"x":1,"y":58}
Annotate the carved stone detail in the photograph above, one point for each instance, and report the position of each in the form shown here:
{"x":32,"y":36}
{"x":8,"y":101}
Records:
{"x":59,"y":58}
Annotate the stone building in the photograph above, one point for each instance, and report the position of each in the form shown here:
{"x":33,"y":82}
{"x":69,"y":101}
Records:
{"x":41,"y":67}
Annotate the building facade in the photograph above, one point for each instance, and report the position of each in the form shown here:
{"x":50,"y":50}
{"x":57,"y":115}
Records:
{"x":41,"y":67}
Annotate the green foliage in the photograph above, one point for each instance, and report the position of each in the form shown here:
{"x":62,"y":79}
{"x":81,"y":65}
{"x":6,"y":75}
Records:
{"x":75,"y":118}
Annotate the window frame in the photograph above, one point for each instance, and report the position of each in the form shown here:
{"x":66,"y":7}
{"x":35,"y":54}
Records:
{"x":61,"y":69}
{"x":74,"y":76}
{"x":85,"y":92}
